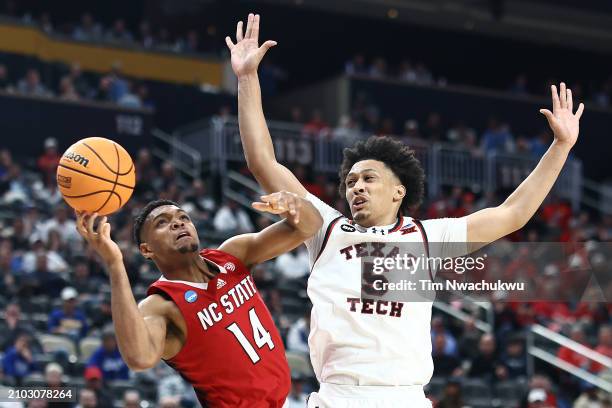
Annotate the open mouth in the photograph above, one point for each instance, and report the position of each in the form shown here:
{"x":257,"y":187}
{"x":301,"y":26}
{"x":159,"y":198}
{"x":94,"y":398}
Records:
{"x":183,"y":235}
{"x":359,"y":203}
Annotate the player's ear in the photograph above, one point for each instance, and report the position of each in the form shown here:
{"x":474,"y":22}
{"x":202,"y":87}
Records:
{"x":400,"y":192}
{"x":145,"y":250}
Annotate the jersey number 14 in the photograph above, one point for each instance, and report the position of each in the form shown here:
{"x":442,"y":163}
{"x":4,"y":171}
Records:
{"x":260,"y":334}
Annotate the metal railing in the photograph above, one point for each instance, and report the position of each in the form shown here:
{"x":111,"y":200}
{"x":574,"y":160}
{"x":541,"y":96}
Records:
{"x":218,"y":142}
{"x":184,"y":158}
{"x":534,"y":351}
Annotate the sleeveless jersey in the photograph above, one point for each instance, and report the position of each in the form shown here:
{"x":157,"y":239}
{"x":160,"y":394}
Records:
{"x":361,"y":341}
{"x":233,"y":354}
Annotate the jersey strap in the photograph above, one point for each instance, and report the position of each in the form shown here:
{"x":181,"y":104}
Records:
{"x":330,"y":227}
{"x":425,"y":243}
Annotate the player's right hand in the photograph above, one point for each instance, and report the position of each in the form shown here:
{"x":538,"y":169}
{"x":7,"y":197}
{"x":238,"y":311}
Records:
{"x":282,"y":203}
{"x":99,"y":238}
{"x":246,"y":53}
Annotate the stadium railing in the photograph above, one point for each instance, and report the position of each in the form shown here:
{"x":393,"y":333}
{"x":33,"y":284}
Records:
{"x":538,"y":334}
{"x":218,"y":142}
{"x":185,"y":159}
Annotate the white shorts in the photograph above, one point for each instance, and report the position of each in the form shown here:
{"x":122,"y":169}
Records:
{"x":368,"y":396}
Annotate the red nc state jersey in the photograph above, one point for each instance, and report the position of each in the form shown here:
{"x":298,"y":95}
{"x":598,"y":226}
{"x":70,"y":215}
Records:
{"x":233,"y":355}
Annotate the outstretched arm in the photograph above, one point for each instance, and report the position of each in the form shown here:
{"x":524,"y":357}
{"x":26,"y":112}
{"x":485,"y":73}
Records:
{"x":256,"y":141}
{"x":302,"y":220}
{"x":490,"y":224}
{"x":140,"y":333}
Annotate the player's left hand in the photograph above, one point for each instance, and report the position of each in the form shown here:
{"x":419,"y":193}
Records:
{"x":280,"y":203}
{"x":563,"y":122}
{"x":246,"y":53}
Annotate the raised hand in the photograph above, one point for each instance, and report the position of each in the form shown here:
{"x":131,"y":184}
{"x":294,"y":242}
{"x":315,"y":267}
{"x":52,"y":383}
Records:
{"x":246,"y":53}
{"x":562,"y":120}
{"x":99,"y":240}
{"x":281,"y":203}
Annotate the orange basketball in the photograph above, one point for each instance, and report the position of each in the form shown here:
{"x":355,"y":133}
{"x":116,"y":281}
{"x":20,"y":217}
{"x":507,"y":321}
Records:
{"x":96,"y":175}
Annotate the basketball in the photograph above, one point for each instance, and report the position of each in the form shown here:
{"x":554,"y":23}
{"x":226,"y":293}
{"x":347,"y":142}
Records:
{"x":96,"y":175}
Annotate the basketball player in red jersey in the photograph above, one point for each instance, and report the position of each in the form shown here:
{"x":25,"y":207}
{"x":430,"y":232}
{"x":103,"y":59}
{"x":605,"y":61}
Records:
{"x":204,"y":315}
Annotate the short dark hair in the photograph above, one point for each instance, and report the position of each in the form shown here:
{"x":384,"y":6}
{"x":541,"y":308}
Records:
{"x":398,"y":157}
{"x":140,"y":219}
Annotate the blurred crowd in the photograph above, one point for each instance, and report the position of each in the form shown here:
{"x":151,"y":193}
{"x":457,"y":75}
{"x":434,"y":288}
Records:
{"x":117,"y":32}
{"x":366,"y":118}
{"x":417,"y":72}
{"x":74,"y":85}
{"x":55,"y":296}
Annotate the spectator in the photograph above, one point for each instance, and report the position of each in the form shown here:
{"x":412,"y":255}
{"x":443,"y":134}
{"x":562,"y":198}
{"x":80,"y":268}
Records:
{"x":540,"y":143}
{"x":192,"y":43}
{"x":42,"y":280}
{"x":411,"y":132}
{"x":129,"y":99}
{"x":18,"y":362}
{"x":539,"y":398}
{"x":486,"y":364}
{"x":407,"y":72}
{"x":19,"y":235}
{"x":316,"y":126}
{"x":87,"y":399}
{"x":93,"y":382}
{"x":5,"y":84}
{"x":68,"y":320}
{"x":468,"y":343}
{"x":297,"y":338}
{"x":378,"y":69}
{"x":45,"y":23}
{"x":65,"y":226}
{"x":515,"y":359}
{"x":356,"y":66}
{"x":433,"y":130}
{"x":15,"y":326}
{"x":142,"y":92}
{"x":437,"y":328}
{"x":588,"y":398}
{"x":48,"y":161}
{"x":31,"y":85}
{"x":199,"y":204}
{"x":82,"y":281}
{"x":67,"y":91}
{"x":169,"y":402}
{"x":145,"y":37}
{"x":451,"y":397}
{"x":604,"y":346}
{"x":114,"y":83}
{"x":423,"y":75}
{"x":461,"y":134}
{"x":519,"y":87}
{"x":53,"y":378}
{"x":88,"y":30}
{"x":297,"y":397}
{"x":497,"y":138}
{"x":346,"y":132}
{"x":103,"y":315}
{"x":293,"y":264}
{"x":131,"y":399}
{"x":80,"y":84}
{"x":232,"y":218}
{"x":119,"y":33}
{"x":445,"y":364}
{"x":108,"y":359}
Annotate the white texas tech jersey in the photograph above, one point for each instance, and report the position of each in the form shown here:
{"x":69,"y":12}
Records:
{"x":359,"y":341}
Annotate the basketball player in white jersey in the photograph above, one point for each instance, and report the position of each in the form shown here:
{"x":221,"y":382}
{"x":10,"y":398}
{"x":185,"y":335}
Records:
{"x":368,"y":353}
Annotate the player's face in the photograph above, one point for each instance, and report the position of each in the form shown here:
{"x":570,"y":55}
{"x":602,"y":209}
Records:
{"x":169,"y":230}
{"x":372,"y":192}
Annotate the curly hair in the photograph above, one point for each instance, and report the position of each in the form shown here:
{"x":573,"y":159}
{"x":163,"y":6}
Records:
{"x":398,"y":157}
{"x":140,"y":219}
